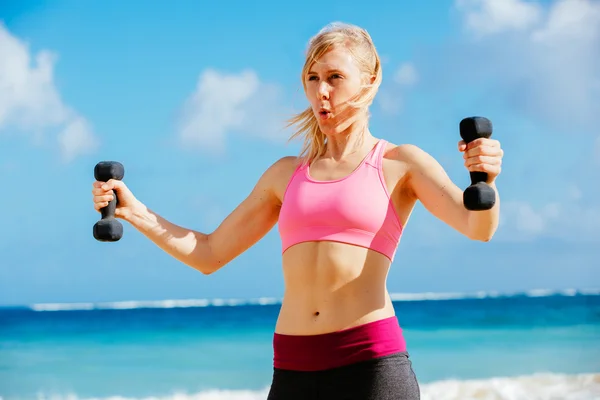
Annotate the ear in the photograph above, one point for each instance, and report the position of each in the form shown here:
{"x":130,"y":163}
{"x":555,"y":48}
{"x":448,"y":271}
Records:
{"x":368,"y":79}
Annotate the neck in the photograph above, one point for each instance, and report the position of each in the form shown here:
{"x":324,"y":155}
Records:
{"x":354,"y":139}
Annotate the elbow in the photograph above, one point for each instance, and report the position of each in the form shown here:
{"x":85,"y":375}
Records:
{"x":213,"y":268}
{"x":481,"y":230}
{"x":485,"y":239}
{"x":205,"y":268}
{"x":204,"y":260}
{"x":202,"y":264}
{"x":481,"y":236}
{"x":208,"y":268}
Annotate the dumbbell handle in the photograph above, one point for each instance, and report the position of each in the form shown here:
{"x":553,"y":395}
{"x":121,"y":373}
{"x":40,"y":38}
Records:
{"x":478,"y":176}
{"x":110,"y":209}
{"x":479,"y":195}
{"x":470,"y":130}
{"x":108,"y":229}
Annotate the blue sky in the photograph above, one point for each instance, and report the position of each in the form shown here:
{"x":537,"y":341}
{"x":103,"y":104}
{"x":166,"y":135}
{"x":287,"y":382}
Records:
{"x":192,"y":100}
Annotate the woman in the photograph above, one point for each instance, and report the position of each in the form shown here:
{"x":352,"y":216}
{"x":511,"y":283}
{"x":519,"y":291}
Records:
{"x":341,"y":207}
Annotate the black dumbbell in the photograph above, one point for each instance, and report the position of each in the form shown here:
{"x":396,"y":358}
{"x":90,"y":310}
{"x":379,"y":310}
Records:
{"x":479,"y":195}
{"x":109,"y":229}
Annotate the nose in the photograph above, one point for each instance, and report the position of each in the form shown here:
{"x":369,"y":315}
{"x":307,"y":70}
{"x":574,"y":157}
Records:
{"x":323,"y":90}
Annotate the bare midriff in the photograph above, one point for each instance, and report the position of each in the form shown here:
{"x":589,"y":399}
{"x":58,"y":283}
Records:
{"x":332,"y":286}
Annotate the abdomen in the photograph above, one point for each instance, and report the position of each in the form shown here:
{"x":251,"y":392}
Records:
{"x":331,"y":286}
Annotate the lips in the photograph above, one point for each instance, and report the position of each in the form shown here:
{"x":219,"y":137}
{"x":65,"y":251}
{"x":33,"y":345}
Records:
{"x":323,"y":115}
{"x":324,"y":112}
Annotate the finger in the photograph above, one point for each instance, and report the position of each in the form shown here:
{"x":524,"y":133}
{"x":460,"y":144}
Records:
{"x":112,"y":184}
{"x":475,"y":143}
{"x":104,"y":198}
{"x":484,"y":150}
{"x":101,"y":205}
{"x":493,"y":170}
{"x":483,"y":142}
{"x":481,"y":150}
{"x":482,"y":160}
{"x":101,"y":192}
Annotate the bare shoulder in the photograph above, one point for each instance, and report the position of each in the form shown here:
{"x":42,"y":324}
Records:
{"x":284,"y":164}
{"x":407,"y":157}
{"x":402,"y":162}
{"x":282,"y":168}
{"x":414,"y":160}
{"x":424,"y":174}
{"x":408,"y":153}
{"x":277,"y":176}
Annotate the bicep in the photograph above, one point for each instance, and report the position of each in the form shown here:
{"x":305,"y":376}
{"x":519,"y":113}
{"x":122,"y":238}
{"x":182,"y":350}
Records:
{"x":432,"y":186}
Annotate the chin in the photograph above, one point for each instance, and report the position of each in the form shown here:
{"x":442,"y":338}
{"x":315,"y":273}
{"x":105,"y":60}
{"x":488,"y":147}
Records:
{"x":331,"y":130}
{"x":327,"y":127}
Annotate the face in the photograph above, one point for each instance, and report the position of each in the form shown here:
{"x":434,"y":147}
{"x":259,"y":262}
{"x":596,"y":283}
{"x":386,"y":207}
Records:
{"x":332,"y":81}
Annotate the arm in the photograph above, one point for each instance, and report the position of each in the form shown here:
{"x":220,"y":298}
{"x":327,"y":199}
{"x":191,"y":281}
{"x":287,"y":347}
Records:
{"x":207,"y":253}
{"x":430,"y":184}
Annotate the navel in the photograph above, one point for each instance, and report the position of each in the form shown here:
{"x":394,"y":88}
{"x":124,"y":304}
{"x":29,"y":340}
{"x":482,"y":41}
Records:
{"x":316,"y":313}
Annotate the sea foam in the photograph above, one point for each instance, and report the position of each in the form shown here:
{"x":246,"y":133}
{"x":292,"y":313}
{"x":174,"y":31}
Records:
{"x":530,"y":387}
{"x":186,"y":303}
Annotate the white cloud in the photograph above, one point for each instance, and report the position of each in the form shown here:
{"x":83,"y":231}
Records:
{"x":231,"y":103}
{"x":406,"y":75}
{"x":485,"y":17}
{"x":390,"y":97}
{"x":574,"y":192}
{"x":527,"y":220}
{"x":76,"y":139}
{"x":571,"y":20}
{"x":30,"y":101}
{"x":541,"y":61}
{"x":389,"y":101}
{"x":569,"y":221}
{"x":574,"y":217}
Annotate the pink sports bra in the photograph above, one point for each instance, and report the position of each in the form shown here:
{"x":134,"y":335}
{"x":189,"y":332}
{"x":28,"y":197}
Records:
{"x":355,"y":209}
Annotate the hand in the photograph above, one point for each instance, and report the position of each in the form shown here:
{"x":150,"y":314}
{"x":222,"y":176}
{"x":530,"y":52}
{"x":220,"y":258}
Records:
{"x":483,"y":155}
{"x":103,"y":192}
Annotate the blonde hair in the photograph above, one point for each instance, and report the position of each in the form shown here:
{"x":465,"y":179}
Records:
{"x":356,"y":40}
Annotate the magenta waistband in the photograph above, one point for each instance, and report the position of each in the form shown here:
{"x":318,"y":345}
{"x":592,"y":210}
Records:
{"x":336,"y":349}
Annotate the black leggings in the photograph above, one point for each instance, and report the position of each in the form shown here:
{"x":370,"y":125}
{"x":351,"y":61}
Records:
{"x":385,"y":378}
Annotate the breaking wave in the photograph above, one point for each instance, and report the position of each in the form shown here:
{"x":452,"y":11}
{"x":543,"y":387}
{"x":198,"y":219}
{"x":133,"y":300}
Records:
{"x":530,"y":387}
{"x":183,"y":303}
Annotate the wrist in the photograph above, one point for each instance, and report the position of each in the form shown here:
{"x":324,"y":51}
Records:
{"x":134,"y":212}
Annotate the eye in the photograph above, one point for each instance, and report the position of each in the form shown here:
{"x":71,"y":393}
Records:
{"x":336,"y":76}
{"x":312,"y":78}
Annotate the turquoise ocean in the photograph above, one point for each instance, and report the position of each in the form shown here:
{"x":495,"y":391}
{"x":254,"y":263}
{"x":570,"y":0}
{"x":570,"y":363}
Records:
{"x":536,"y":345}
